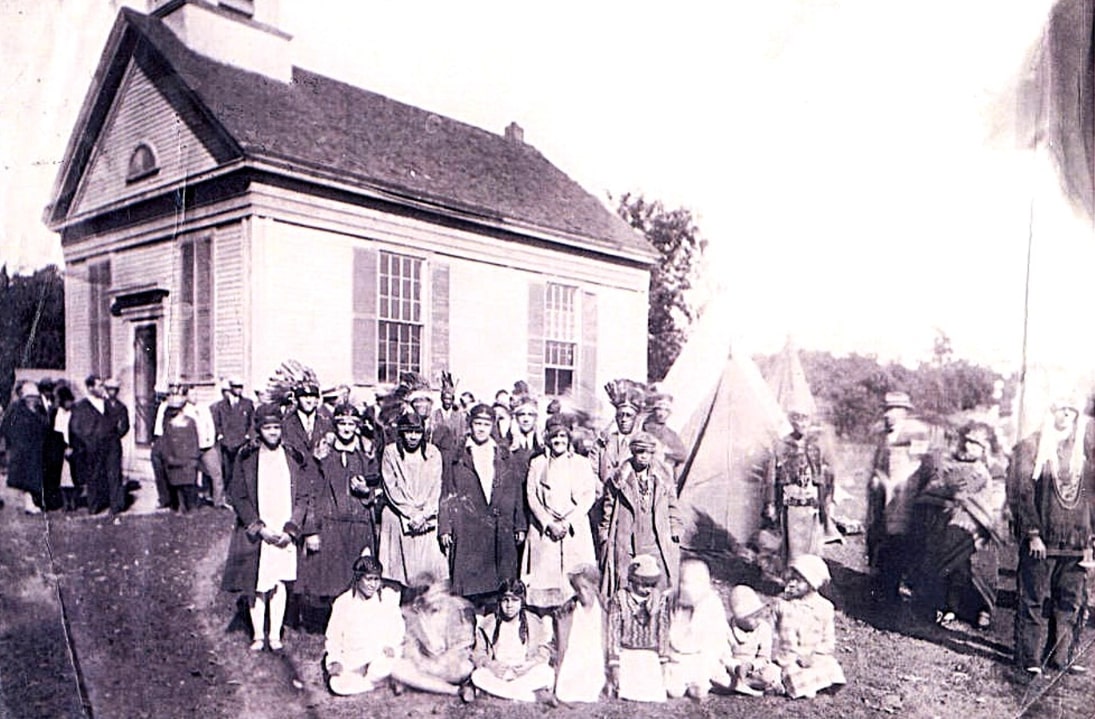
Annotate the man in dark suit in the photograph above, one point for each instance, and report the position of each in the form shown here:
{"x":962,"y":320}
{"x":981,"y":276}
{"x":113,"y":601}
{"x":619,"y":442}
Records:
{"x":232,"y":417}
{"x":91,"y":432}
{"x":53,"y":451}
{"x":305,"y":426}
{"x":118,"y":414}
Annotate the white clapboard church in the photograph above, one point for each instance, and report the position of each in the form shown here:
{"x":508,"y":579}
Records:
{"x":221,"y":210}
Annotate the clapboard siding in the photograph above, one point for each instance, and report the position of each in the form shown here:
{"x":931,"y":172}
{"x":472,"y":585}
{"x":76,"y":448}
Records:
{"x":144,"y":265}
{"x":228,"y":307}
{"x":77,"y":331}
{"x":421,"y":236}
{"x":142,"y":113}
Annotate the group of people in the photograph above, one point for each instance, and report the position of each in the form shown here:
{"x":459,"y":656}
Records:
{"x":938,"y":518}
{"x":470,"y":548}
{"x":63,"y":452}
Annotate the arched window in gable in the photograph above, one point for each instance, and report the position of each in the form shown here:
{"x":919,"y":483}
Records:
{"x":142,"y":163}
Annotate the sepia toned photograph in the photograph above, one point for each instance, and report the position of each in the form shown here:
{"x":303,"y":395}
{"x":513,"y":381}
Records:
{"x":615,"y":359}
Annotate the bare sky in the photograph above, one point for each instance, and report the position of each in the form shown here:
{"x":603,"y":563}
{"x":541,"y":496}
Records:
{"x":850,"y":161}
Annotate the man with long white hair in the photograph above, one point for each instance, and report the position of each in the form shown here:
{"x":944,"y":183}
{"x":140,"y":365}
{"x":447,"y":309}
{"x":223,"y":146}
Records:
{"x":1053,"y":477}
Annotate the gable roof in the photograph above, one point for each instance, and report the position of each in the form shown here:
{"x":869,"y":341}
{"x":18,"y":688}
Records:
{"x":330,"y":130}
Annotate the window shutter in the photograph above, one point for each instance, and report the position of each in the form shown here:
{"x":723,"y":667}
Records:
{"x":363,"y":334}
{"x":185,"y":349}
{"x":439,"y":318}
{"x":587,"y":352}
{"x":203,"y":307}
{"x":536,"y":298}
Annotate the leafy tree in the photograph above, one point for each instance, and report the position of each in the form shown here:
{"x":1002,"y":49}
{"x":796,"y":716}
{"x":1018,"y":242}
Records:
{"x":850,"y":390}
{"x":32,"y":323}
{"x":675,"y":235}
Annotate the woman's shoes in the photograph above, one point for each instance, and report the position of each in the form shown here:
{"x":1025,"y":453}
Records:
{"x":984,"y":620}
{"x":258,"y":645}
{"x":945,"y":618}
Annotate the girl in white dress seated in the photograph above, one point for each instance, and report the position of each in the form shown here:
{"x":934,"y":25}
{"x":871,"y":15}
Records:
{"x":513,"y":649}
{"x":581,"y":646}
{"x":365,"y":632}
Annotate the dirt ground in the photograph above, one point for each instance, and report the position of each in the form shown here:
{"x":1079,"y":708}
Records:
{"x":127,"y":621}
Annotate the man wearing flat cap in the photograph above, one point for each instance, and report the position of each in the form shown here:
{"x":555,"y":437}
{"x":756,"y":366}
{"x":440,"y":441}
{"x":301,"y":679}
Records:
{"x":891,"y":491}
{"x":640,"y":516}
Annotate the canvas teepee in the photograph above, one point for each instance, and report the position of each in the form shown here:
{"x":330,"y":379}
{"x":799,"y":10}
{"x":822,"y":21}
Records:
{"x":727,"y":417}
{"x":788,"y":382}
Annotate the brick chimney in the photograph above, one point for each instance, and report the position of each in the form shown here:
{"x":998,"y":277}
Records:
{"x":242,"y":33}
{"x":515,"y":134}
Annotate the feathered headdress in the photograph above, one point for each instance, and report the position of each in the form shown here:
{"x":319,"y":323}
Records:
{"x":623,"y":392}
{"x":448,"y":384}
{"x":284,"y":385}
{"x":411,"y":386}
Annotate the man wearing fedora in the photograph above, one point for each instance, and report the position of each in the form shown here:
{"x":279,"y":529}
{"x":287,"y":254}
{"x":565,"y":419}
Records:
{"x":891,"y":490}
{"x":232,"y":418}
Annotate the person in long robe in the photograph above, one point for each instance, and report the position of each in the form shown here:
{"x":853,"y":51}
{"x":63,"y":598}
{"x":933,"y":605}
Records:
{"x":482,"y":518}
{"x":560,"y":489}
{"x":798,"y":490}
{"x":411,"y":477}
{"x":343,"y":504}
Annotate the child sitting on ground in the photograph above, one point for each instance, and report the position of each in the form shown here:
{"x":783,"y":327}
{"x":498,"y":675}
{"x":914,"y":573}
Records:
{"x":437,"y":649}
{"x":638,"y":634}
{"x":513,"y":648}
{"x":580,"y":635}
{"x":806,"y":630}
{"x":748,"y":658}
{"x":365,"y":632}
{"x":697,"y":633}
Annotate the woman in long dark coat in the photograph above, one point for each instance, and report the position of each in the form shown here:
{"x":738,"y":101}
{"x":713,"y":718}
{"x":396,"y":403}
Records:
{"x":343,"y":508}
{"x":24,"y":427}
{"x":256,"y":500}
{"x":481,"y":533}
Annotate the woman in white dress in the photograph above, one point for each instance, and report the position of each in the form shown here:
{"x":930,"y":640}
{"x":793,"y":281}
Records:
{"x":561,"y":488}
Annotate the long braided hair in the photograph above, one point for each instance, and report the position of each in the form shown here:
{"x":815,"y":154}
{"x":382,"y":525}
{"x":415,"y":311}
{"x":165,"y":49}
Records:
{"x":517,"y":588}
